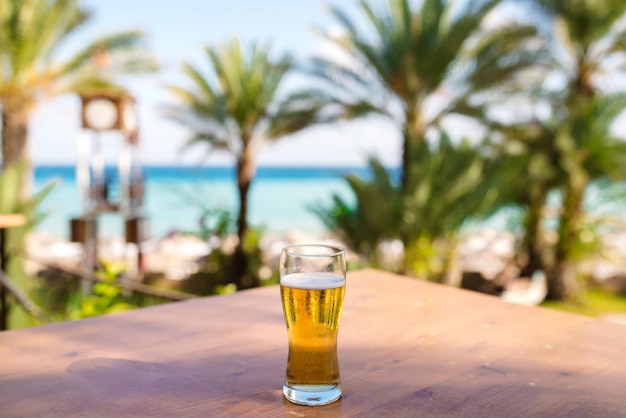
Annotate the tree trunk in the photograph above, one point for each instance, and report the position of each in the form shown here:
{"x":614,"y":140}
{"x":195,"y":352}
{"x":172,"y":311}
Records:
{"x":412,"y":133}
{"x":15,"y":156}
{"x":14,"y":146}
{"x":14,"y":137}
{"x":453,"y":271}
{"x":533,"y":237}
{"x":563,"y":283}
{"x":245,"y":173}
{"x":406,"y":161}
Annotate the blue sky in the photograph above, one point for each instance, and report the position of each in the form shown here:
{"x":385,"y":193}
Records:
{"x":177,"y":30}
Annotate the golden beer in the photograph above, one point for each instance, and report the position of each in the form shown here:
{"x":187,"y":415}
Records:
{"x":312,"y":304}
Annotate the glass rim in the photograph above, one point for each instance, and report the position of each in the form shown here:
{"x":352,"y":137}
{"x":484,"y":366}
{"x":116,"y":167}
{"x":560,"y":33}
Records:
{"x":292,"y":250}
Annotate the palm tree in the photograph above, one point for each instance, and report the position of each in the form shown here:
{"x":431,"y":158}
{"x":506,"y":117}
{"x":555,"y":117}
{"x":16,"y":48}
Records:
{"x":372,"y":219}
{"x":417,"y":65}
{"x":12,"y":201}
{"x":31,"y":34}
{"x":589,"y":40}
{"x":528,"y":148}
{"x":239,"y":108}
{"x":588,"y":151}
{"x":450,"y":185}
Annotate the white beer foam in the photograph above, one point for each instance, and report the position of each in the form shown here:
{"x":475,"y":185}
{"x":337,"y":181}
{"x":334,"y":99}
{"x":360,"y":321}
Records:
{"x":313,"y":280}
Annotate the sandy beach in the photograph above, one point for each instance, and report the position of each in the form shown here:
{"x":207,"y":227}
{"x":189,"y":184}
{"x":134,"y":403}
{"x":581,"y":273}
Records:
{"x":486,"y":251}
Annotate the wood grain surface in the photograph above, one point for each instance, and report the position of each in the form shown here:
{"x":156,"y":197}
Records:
{"x":406,"y":348}
{"x":11,"y":220}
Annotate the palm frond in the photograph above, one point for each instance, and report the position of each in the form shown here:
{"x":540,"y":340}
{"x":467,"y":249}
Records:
{"x":368,"y":219}
{"x":586,"y":21}
{"x":204,"y":89}
{"x":237,"y":105}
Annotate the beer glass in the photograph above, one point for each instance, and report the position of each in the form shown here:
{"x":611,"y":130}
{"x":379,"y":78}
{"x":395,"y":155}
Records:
{"x":312,"y":287}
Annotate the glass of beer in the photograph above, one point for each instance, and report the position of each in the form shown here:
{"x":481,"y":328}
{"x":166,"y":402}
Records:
{"x":312,"y":288}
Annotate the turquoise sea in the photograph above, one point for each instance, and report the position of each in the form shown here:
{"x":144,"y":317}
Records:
{"x":175,"y":197}
{"x":280,"y":198}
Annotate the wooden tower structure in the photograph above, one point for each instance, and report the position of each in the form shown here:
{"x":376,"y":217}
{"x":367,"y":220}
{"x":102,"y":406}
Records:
{"x":104,"y":114}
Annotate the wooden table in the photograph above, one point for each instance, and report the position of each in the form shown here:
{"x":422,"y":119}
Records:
{"x":406,"y":348}
{"x":11,"y":220}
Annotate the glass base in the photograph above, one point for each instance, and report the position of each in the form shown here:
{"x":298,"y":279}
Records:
{"x":312,"y":395}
